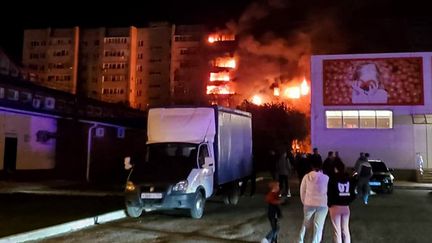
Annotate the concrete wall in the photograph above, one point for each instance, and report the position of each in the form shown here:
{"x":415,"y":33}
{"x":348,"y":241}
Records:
{"x":31,"y":153}
{"x":396,"y":146}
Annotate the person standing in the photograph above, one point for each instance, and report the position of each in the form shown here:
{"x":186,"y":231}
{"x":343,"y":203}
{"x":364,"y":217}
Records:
{"x":328,"y":164}
{"x":364,"y":174}
{"x":283,"y":168}
{"x":273,"y":212}
{"x":340,"y":195}
{"x":313,"y":194}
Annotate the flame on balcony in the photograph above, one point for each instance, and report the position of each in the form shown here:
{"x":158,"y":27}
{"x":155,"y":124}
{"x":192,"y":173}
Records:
{"x":257,"y":100}
{"x":220,"y":76}
{"x":220,"y":37}
{"x":225,"y":62}
{"x":219,"y":89}
{"x":304,"y":88}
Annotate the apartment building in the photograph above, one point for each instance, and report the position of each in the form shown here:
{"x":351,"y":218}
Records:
{"x":52,"y":56}
{"x":188,"y":65}
{"x":107,"y":61}
{"x":156,"y":65}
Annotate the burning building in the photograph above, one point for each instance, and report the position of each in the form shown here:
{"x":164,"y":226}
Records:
{"x":221,"y":88}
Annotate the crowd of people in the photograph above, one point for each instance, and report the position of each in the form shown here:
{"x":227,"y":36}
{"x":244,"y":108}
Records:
{"x":326,"y":187}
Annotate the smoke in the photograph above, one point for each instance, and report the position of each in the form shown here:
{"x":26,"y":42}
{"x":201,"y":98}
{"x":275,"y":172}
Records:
{"x":275,"y":44}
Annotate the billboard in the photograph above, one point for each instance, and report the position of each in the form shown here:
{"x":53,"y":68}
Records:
{"x":373,"y":81}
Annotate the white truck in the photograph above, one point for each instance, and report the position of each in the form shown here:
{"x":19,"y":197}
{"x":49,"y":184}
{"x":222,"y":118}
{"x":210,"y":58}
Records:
{"x":192,"y":154}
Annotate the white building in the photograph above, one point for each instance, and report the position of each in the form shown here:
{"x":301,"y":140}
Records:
{"x":375,"y":103}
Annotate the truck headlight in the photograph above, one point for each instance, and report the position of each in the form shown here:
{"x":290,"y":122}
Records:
{"x":130,"y":186}
{"x":181,"y":186}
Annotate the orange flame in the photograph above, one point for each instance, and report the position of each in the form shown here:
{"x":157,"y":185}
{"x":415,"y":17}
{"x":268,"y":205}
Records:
{"x":257,"y":100}
{"x":276,"y":91}
{"x":219,"y":89}
{"x":220,"y":76}
{"x":304,"y":88}
{"x":220,"y":37}
{"x":225,"y":62}
{"x":293,"y":92}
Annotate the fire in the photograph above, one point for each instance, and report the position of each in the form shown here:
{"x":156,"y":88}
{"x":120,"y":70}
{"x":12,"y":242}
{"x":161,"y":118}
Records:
{"x":257,"y":100}
{"x":276,"y":91}
{"x":225,"y":62}
{"x":293,"y":92}
{"x":220,"y":37}
{"x":304,"y":88}
{"x":219,"y":89}
{"x":220,"y":76}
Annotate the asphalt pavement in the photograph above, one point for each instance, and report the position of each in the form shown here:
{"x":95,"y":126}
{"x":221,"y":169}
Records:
{"x":72,"y":188}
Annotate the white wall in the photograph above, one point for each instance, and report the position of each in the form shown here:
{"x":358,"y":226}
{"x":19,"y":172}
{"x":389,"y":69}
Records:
{"x":396,"y":146}
{"x":31,"y":154}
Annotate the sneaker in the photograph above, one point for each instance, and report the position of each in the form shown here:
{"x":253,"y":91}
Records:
{"x":365,"y":202}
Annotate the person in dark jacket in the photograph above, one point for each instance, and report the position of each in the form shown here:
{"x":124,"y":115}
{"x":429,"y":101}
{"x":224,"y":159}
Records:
{"x":273,"y":211}
{"x":340,"y":193}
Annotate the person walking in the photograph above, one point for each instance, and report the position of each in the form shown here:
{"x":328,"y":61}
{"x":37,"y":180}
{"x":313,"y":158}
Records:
{"x":364,"y":174}
{"x":340,"y":194}
{"x":273,"y":212}
{"x":313,"y":194}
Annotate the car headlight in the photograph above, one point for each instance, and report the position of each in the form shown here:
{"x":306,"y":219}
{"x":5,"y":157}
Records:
{"x":130,"y":186}
{"x":181,"y":186}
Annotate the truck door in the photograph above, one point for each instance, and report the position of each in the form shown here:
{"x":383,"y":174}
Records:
{"x":206,"y":164}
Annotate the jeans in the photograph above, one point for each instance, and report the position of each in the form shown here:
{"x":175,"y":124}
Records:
{"x":317,"y":216}
{"x":339,"y":216}
{"x":363,"y":189}
{"x":273,"y":234}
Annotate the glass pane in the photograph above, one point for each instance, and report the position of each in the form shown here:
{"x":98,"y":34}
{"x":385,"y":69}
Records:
{"x":350,"y":119}
{"x":367,"y":119}
{"x":429,"y":118}
{"x":384,"y":119}
{"x":334,"y":119}
{"x":419,"y":119}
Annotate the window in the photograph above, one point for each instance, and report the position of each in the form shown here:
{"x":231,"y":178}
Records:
{"x":355,"y":119}
{"x":334,"y":119}
{"x":367,"y":119}
{"x":350,"y":119}
{"x":384,"y":119}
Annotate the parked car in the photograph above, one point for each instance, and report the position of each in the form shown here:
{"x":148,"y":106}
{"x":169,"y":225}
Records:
{"x":382,"y":178}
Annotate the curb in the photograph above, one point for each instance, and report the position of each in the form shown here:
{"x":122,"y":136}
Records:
{"x":65,"y":227}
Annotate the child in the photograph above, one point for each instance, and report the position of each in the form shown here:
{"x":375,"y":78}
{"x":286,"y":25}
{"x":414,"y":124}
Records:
{"x":273,"y":212}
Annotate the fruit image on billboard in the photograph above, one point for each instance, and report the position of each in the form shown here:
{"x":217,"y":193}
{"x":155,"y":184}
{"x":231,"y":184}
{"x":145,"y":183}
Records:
{"x":374,"y":81}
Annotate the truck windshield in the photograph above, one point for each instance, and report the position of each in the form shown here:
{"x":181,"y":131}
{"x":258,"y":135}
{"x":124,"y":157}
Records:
{"x":166,"y":162}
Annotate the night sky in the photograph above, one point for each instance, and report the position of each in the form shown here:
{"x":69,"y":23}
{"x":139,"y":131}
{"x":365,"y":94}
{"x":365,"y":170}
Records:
{"x":385,"y":23}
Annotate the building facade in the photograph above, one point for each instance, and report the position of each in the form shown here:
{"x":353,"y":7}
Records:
{"x":156,"y":65}
{"x":375,"y":103}
{"x":52,"y":56}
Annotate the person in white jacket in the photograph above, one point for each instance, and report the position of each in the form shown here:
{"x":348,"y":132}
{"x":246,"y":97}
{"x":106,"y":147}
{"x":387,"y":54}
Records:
{"x":313,"y":194}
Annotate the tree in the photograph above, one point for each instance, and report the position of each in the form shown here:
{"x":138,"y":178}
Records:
{"x":274,"y":126}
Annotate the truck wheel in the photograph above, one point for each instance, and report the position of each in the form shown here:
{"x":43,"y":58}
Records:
{"x":134,"y":212}
{"x":234,"y":194}
{"x":197,"y":209}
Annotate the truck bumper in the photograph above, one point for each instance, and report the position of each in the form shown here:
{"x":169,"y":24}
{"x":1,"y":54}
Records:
{"x":171,"y":201}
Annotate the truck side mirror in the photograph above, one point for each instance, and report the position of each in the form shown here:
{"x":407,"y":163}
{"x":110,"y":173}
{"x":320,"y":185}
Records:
{"x":127,"y":163}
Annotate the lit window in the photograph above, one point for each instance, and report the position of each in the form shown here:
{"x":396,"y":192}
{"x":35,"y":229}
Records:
{"x":384,"y":119}
{"x":367,"y":119}
{"x":350,"y":119}
{"x":354,"y":119}
{"x":334,"y":119}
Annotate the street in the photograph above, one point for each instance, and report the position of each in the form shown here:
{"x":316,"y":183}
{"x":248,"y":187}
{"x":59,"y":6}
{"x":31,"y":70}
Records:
{"x":403,"y":216}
